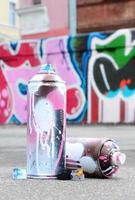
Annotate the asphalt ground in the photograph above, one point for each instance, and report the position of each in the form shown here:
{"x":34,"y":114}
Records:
{"x":13,"y":153}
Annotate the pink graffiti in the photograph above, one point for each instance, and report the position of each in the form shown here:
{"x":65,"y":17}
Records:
{"x":59,"y":57}
{"x":21,"y":62}
{"x":6,"y":101}
{"x":14,"y":77}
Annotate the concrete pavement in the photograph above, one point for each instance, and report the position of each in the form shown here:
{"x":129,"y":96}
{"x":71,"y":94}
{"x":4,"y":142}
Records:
{"x":13,"y":153}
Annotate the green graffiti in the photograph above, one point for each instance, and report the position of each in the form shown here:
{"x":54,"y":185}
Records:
{"x":77,"y":46}
{"x":116,"y":49}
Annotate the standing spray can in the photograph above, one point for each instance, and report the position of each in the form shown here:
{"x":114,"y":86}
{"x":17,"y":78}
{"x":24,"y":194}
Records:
{"x":99,"y":157}
{"x":46,"y":124}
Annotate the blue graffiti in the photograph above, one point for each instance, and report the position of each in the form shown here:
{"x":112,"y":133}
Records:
{"x":23,"y":88}
{"x":14,"y":120}
{"x":14,"y":45}
{"x":126,"y":92}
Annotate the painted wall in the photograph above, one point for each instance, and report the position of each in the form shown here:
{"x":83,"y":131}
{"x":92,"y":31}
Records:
{"x":105,"y":15}
{"x":99,"y":70}
{"x":58,"y":18}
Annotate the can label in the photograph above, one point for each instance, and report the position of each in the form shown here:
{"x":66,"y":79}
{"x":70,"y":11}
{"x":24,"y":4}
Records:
{"x":46,"y":129}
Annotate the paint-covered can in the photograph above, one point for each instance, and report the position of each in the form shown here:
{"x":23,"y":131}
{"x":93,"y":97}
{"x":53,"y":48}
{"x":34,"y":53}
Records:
{"x":46,"y":124}
{"x":99,"y":157}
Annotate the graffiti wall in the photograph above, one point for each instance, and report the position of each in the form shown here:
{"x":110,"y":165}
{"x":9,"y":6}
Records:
{"x":98,"y":68}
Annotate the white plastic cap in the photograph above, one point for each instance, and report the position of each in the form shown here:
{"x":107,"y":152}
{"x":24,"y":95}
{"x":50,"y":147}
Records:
{"x":118,"y":158}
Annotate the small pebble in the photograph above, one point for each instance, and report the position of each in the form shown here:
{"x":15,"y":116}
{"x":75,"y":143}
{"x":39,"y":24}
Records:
{"x":77,"y":175}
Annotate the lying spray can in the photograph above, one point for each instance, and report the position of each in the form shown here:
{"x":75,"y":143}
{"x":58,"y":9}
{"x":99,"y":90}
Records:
{"x":98,"y":157}
{"x":46,"y":124}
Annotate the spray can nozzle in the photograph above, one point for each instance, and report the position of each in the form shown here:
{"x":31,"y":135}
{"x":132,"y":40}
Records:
{"x":46,"y":68}
{"x":118,"y":158}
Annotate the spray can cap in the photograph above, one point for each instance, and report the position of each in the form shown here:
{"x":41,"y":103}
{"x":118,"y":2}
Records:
{"x":46,"y":68}
{"x":118,"y":158}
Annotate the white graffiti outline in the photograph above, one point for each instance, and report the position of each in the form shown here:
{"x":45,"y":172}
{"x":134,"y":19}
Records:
{"x":129,"y":45}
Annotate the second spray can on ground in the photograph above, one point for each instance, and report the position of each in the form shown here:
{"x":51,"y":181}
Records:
{"x":99,"y":157}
